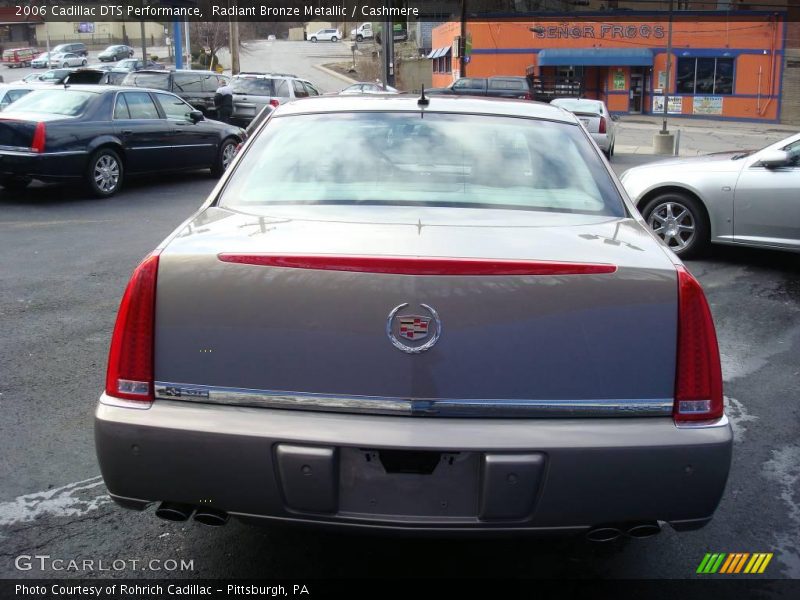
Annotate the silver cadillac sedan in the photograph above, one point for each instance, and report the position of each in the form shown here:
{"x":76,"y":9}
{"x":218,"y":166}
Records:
{"x":749,"y":198}
{"x":416,"y":313}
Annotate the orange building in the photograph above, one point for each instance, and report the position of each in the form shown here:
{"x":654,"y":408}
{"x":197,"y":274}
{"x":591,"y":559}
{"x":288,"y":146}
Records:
{"x":723,"y":66}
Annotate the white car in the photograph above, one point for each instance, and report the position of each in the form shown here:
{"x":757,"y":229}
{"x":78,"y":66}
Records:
{"x":326,"y":35}
{"x":42,"y":61}
{"x":67,"y":59}
{"x":594,"y":115}
{"x":367,"y":87}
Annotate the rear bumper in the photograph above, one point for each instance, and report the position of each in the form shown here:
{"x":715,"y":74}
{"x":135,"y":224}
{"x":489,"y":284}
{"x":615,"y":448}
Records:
{"x":603,"y":140}
{"x":543,"y":475}
{"x":56,"y":166}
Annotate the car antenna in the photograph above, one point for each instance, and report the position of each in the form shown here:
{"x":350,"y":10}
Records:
{"x":423,"y":100}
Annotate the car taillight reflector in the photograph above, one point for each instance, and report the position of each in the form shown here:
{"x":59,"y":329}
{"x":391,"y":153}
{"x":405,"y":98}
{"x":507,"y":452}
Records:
{"x":418,"y":265}
{"x":602,"y":128}
{"x":39,"y":135}
{"x":698,"y":378}
{"x":130,"y":359}
{"x":274,"y":103}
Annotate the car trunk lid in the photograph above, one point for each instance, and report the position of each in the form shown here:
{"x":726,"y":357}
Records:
{"x":308,"y":335}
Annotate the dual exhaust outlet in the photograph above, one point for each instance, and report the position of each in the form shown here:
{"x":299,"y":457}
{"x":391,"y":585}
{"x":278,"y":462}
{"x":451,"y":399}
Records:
{"x":610,"y":533}
{"x":171,"y":511}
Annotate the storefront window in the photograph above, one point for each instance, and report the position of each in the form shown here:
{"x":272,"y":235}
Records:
{"x":705,"y":76}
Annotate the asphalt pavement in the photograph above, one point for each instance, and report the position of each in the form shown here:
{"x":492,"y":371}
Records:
{"x":64,"y":261}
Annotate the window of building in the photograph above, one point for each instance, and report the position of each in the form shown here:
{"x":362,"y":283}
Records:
{"x":705,"y":76}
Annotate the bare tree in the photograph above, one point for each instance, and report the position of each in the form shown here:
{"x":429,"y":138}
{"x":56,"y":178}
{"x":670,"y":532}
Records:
{"x":210,"y":35}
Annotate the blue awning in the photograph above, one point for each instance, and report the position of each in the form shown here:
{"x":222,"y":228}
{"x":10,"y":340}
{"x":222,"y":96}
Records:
{"x":596,"y":57}
{"x":439,"y":52}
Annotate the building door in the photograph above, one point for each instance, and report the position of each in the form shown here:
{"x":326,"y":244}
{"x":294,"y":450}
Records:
{"x":636,"y":93}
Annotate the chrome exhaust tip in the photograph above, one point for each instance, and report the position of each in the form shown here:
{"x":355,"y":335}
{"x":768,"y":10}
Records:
{"x":170,"y":511}
{"x":603,"y":534}
{"x":644,"y":530}
{"x":211,"y":517}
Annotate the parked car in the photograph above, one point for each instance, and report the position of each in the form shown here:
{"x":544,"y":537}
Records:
{"x":738,"y":198}
{"x":367,"y":87}
{"x":271,"y":37}
{"x":42,"y":61}
{"x":115,"y":53}
{"x":11,"y":92}
{"x":137,"y":64}
{"x":101,"y":134}
{"x":383,"y":321}
{"x":326,"y":35}
{"x":74,"y":48}
{"x":594,"y":115}
{"x":67,"y":59}
{"x":18,"y":57}
{"x":31,"y":78}
{"x":90,"y":76}
{"x":253,"y":91}
{"x":497,"y":87}
{"x":196,"y":87}
{"x":51,"y":76}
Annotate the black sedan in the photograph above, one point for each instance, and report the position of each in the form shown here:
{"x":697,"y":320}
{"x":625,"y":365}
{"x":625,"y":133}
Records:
{"x":99,"y":134}
{"x":115,"y":53}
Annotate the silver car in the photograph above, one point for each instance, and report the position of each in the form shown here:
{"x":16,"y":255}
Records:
{"x":742,"y":198}
{"x":594,"y":115}
{"x":67,"y":59}
{"x":380,"y":320}
{"x":254,"y":91}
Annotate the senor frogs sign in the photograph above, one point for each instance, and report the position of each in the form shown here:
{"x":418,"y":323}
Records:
{"x":599,"y":31}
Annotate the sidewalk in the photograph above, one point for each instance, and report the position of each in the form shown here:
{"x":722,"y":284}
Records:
{"x":697,"y":136}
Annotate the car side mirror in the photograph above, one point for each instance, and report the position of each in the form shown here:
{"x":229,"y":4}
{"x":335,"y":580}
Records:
{"x":196,"y":116}
{"x":773,"y":159}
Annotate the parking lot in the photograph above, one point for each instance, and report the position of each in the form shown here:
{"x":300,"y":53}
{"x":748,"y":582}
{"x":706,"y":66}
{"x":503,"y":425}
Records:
{"x":64,"y":261}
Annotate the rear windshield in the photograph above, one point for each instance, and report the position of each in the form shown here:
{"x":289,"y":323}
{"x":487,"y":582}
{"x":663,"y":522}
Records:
{"x":55,"y":102}
{"x":257,"y":87}
{"x":156,"y":81}
{"x":507,"y":84}
{"x":442,"y":160}
{"x":580,"y":106}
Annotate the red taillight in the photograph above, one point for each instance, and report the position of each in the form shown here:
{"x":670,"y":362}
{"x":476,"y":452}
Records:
{"x":698,"y":378}
{"x":130,"y":360}
{"x":602,"y":125}
{"x":418,"y":265}
{"x":39,"y":135}
{"x":274,"y":103}
{"x":528,"y":96}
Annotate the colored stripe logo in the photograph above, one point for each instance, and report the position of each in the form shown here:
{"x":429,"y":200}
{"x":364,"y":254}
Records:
{"x":735,"y":562}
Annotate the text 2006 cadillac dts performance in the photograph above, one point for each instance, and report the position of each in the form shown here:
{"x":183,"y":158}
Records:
{"x":420,"y":314}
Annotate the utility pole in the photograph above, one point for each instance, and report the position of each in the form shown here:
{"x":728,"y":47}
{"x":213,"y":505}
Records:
{"x":188,"y":44}
{"x":667,"y":78}
{"x":234,"y":47}
{"x":463,"y":59}
{"x":664,"y":141}
{"x":144,"y":42}
{"x":388,"y":53}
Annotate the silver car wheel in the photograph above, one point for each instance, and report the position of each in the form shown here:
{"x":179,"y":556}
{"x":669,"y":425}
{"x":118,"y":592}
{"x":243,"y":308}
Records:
{"x":106,"y":173}
{"x":673,"y":222}
{"x":228,"y":152}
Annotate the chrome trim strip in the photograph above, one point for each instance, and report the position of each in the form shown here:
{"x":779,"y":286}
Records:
{"x":721,"y":422}
{"x":432,"y":407}
{"x":167,"y":147}
{"x":123,"y":403}
{"x":32,"y":154}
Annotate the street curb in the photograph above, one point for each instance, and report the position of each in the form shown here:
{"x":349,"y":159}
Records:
{"x":333,"y":73}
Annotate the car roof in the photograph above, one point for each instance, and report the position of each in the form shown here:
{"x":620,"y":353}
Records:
{"x":441,"y":104}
